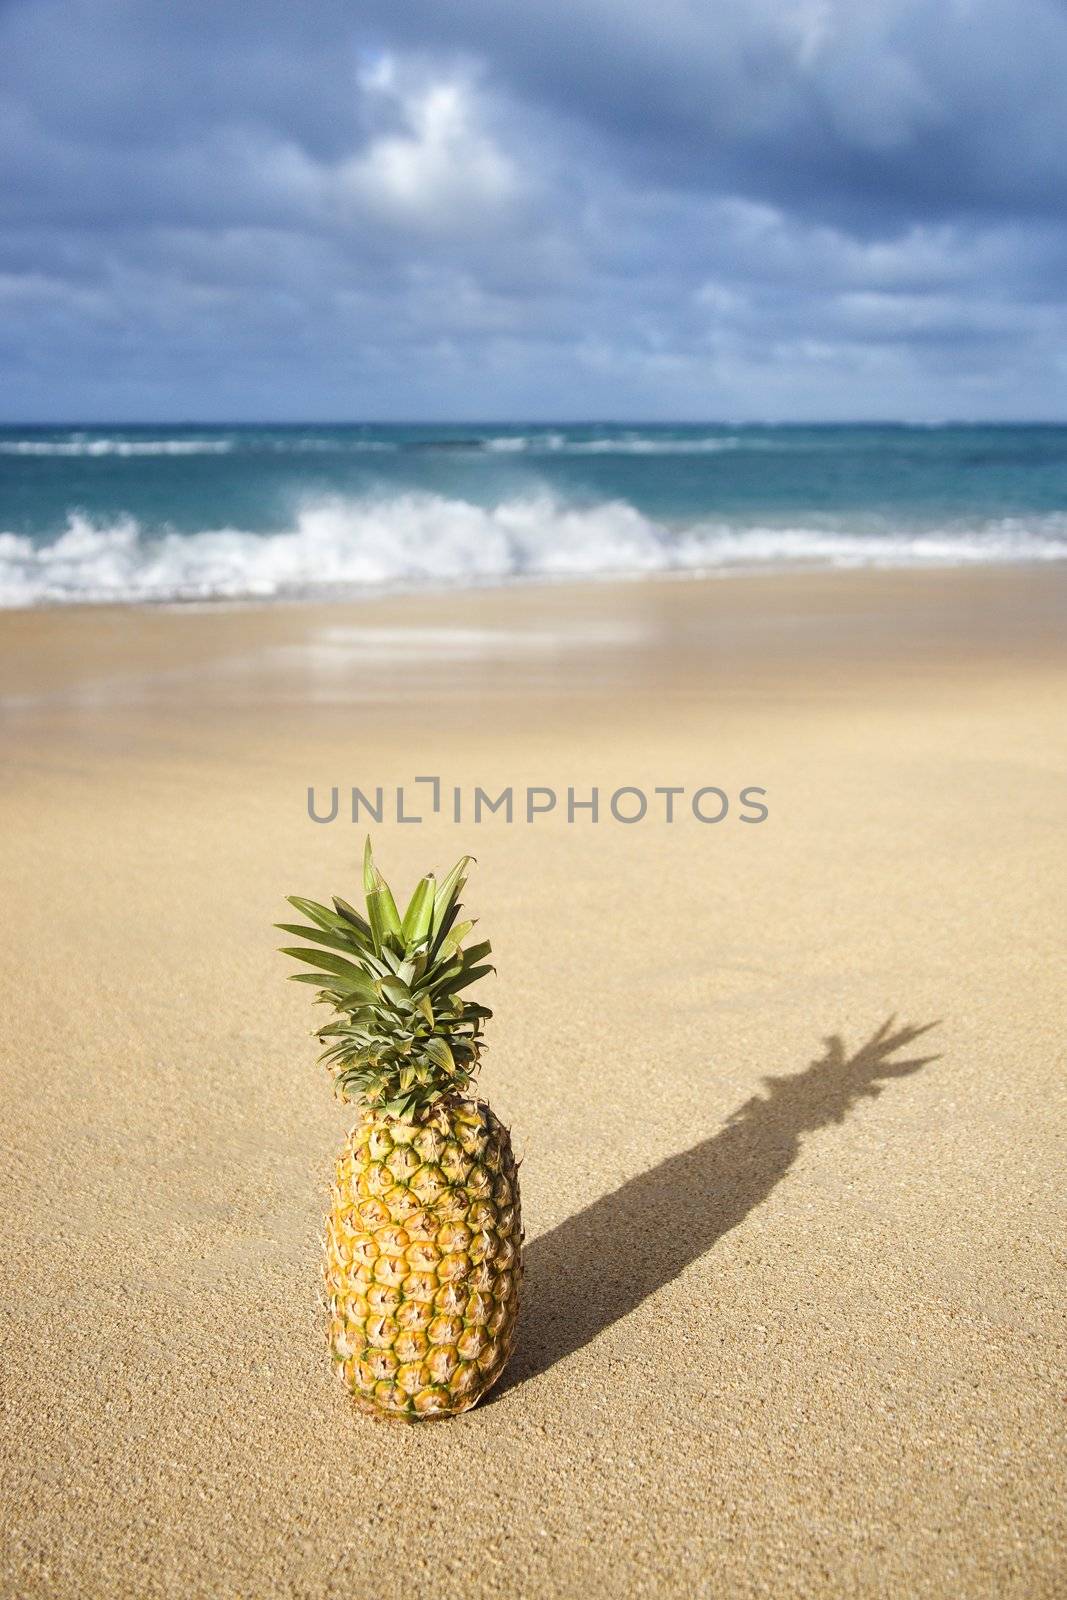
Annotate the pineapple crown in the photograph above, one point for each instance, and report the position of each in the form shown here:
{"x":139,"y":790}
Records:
{"x":402,"y":1036}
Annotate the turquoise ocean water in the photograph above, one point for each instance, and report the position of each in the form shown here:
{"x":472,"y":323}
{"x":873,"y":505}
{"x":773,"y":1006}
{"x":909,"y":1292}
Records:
{"x":167,"y":512}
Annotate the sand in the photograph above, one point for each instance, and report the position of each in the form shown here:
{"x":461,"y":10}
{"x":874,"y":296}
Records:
{"x":790,"y":1095}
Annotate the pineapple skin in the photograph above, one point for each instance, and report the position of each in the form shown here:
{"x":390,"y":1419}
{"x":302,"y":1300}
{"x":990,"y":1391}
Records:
{"x":424,"y":1260}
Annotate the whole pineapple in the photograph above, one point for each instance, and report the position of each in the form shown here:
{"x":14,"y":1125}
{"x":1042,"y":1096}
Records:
{"x":424,"y":1238}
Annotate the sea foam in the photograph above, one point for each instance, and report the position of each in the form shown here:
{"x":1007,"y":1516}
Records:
{"x":338,"y":544}
{"x":115,"y":447}
{"x":625,"y":444}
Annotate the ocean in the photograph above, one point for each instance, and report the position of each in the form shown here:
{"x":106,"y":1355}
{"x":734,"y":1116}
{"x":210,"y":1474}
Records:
{"x":169,"y":513}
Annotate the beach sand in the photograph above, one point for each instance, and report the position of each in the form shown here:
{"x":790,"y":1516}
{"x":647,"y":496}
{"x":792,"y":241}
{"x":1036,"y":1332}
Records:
{"x":790,"y":1096}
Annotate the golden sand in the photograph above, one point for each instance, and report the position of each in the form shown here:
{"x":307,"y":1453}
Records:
{"x":790,"y":1096}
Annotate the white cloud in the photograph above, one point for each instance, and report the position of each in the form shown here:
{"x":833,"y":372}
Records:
{"x":443,"y":166}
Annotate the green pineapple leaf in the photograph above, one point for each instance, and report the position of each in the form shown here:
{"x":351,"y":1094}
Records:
{"x":438,"y":1051}
{"x":419,"y":914}
{"x":455,"y":936}
{"x":329,"y":962}
{"x":384,"y":918}
{"x":396,"y":990}
{"x":472,"y":977}
{"x":333,"y":941}
{"x":474,"y":953}
{"x":450,"y":889}
{"x":316,"y":913}
{"x":350,"y":915}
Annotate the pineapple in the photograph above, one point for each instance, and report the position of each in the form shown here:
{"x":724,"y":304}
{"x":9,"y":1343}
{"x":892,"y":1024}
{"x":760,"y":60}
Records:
{"x":424,"y":1237}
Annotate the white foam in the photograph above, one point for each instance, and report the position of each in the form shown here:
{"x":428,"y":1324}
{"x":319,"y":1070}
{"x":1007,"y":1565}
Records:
{"x":115,"y":447}
{"x":643,"y":446}
{"x":520,"y":443}
{"x":540,"y":443}
{"x":418,"y":540}
{"x":629,"y":444}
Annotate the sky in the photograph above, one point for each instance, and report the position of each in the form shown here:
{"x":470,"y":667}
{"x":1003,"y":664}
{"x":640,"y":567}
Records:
{"x":566,"y":209}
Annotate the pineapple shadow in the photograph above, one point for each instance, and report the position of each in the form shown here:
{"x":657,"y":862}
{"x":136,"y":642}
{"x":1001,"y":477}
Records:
{"x":605,"y":1261}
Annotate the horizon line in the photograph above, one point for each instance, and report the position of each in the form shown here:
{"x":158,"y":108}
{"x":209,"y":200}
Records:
{"x":539,"y":422}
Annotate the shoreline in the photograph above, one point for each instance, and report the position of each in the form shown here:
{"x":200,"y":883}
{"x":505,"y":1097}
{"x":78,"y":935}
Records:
{"x":771,"y":570}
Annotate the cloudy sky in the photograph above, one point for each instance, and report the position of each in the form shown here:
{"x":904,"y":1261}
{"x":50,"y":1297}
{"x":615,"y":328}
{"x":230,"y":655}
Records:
{"x":636,"y":209}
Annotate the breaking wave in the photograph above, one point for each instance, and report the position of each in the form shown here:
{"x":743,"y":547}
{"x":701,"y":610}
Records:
{"x":115,"y":447}
{"x":627,"y":444}
{"x":419,"y":540}
{"x":252,"y":442}
{"x":84,"y":446}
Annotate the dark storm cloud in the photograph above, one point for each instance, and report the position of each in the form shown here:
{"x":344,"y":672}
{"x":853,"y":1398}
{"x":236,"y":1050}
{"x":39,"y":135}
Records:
{"x":782,"y":207}
{"x":863,"y":110}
